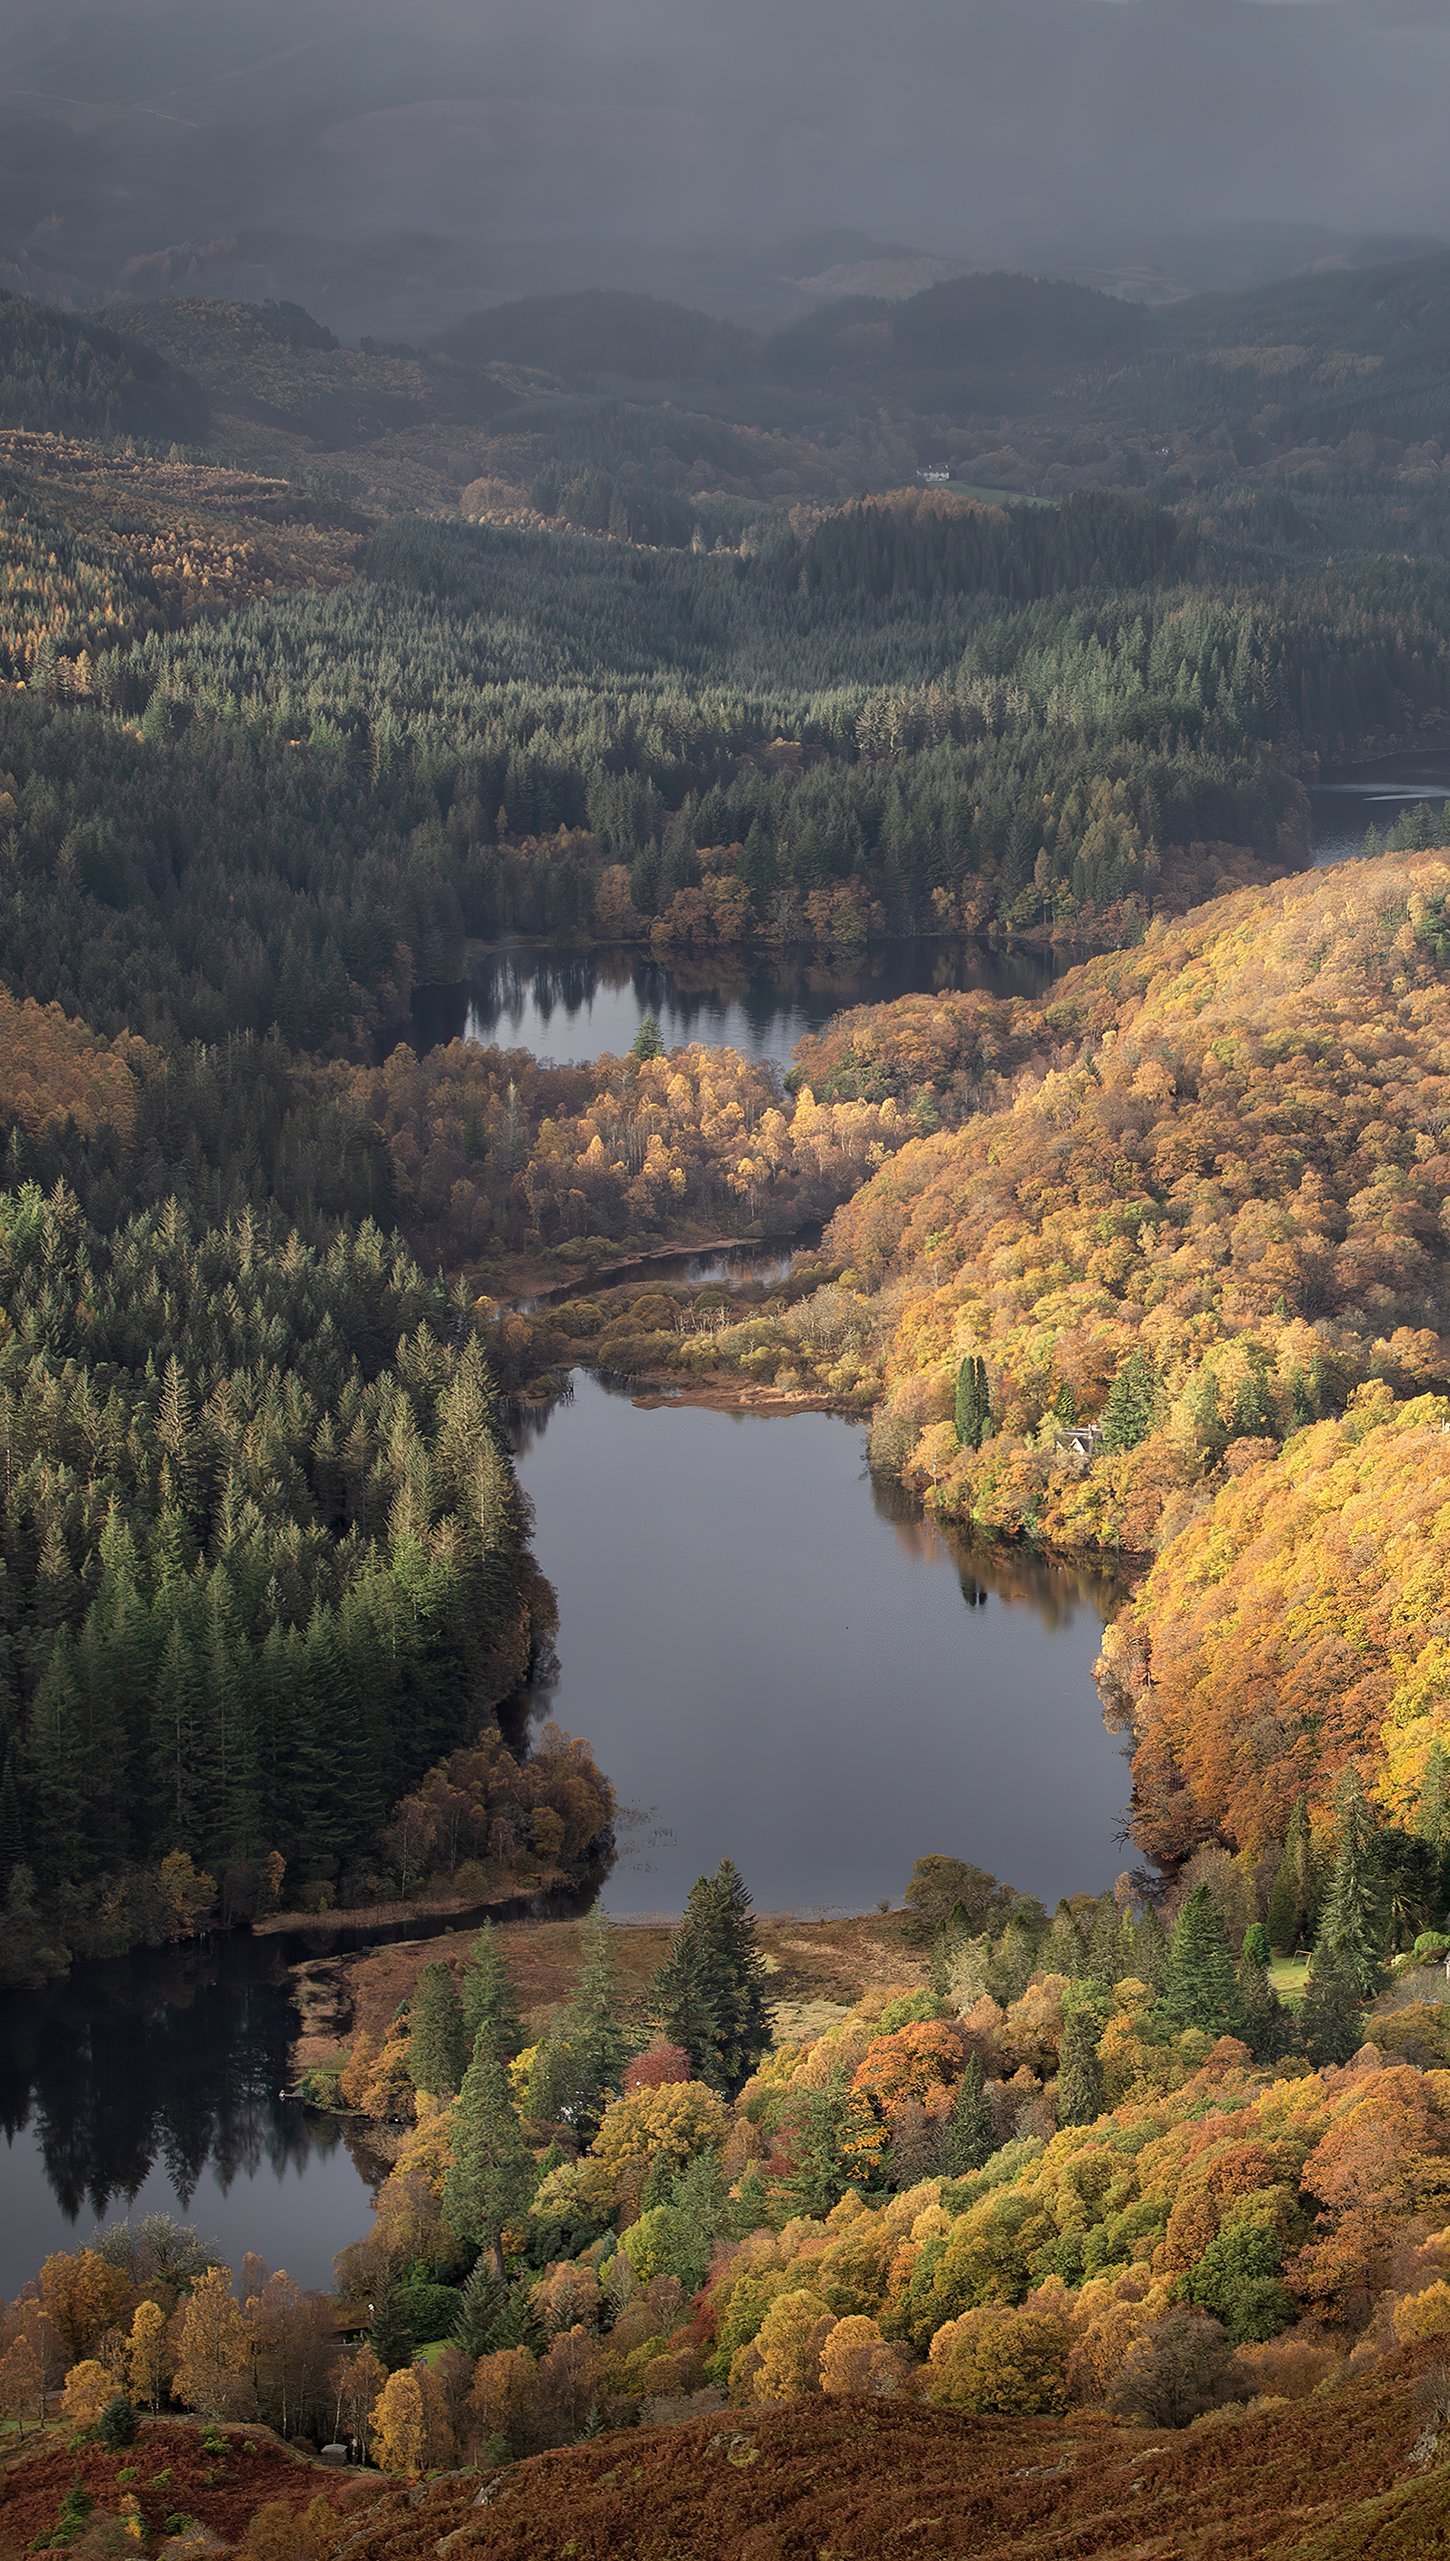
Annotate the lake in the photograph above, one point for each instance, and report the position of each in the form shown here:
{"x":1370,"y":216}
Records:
{"x":772,"y":1654}
{"x":570,"y":1005}
{"x":1346,"y":803}
{"x":776,"y":1657}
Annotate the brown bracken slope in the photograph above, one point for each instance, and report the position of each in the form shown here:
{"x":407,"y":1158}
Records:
{"x":1352,"y":2475}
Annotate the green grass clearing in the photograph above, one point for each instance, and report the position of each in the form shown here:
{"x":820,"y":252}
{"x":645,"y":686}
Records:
{"x":1289,"y":1975}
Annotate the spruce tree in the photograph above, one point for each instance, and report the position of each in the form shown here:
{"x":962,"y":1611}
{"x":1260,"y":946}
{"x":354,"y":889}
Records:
{"x":1132,"y":1405}
{"x":974,"y":1402}
{"x":1079,"y":2072}
{"x":710,"y":1993}
{"x":968,"y":2139}
{"x":1199,"y":1988}
{"x":1352,"y":1922}
{"x":490,"y":2177}
{"x":12,"y":1826}
{"x":1294,"y":1900}
{"x":1331,"y":2020}
{"x":1432,"y":1819}
{"x":1265,"y":2024}
{"x":437,"y":2053}
{"x":391,"y":2334}
{"x":488,"y":1999}
{"x":481,"y":2311}
{"x":597,"y":2045}
{"x":818,"y":2179}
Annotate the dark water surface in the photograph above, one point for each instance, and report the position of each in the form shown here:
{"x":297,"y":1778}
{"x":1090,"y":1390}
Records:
{"x":770,"y":1664}
{"x":570,"y":1005}
{"x":155,"y":2083}
{"x":1345,"y":804}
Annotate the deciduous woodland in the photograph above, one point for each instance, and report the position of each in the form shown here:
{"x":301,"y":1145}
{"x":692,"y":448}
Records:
{"x":1152,"y":1267}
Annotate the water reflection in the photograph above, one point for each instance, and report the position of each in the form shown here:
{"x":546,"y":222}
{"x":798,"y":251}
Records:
{"x":157,"y":2083}
{"x":766,"y":1674}
{"x":570,"y":1005}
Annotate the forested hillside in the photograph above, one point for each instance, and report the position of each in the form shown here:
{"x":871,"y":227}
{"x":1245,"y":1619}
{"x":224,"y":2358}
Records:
{"x":265,"y":1560}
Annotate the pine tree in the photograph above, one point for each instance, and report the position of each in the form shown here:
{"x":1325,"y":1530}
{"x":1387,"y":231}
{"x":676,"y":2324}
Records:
{"x":1432,"y":1819}
{"x":12,"y":1825}
{"x":1132,"y":1405}
{"x":481,"y":2311}
{"x":1352,"y":1923}
{"x":392,"y":2333}
{"x":974,"y":1402}
{"x":968,"y":2139}
{"x":490,"y":2177}
{"x":597,"y":2045}
{"x":488,"y":1999}
{"x":818,"y":2179}
{"x":1199,"y":1988}
{"x":437,"y":2054}
{"x":1079,"y":2071}
{"x":1294,"y":1900}
{"x":1265,"y":2025}
{"x":1331,"y":2020}
{"x":710,"y":1993}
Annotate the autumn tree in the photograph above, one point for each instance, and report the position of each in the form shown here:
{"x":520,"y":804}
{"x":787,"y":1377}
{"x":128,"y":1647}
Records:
{"x":214,"y":2351}
{"x":90,"y":2388}
{"x":357,"y":2377}
{"x":84,"y":2296}
{"x":397,"y":2426}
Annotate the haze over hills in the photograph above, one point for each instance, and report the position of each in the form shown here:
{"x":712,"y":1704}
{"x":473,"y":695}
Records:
{"x":314,"y":152}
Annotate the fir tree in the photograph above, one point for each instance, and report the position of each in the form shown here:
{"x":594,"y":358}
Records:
{"x":1432,"y":1818}
{"x":597,"y":2044}
{"x":391,"y":2334}
{"x":481,"y":2311}
{"x":437,"y":2053}
{"x":488,"y":2000}
{"x":1294,"y":1900}
{"x":1264,"y":2025}
{"x":1331,"y":2021}
{"x":1199,"y":1989}
{"x":1079,"y":2071}
{"x":491,"y":2175}
{"x":1352,"y":1923}
{"x":818,"y":2179}
{"x":968,"y":2139}
{"x":1132,"y":1404}
{"x":710,"y":1993}
{"x":974,"y":1402}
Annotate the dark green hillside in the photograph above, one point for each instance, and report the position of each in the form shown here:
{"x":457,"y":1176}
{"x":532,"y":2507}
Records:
{"x":582,"y":337}
{"x":79,"y":378}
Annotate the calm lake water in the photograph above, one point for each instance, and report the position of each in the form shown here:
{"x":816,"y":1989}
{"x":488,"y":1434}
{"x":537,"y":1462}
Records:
{"x":154,"y":2083}
{"x":571,"y":1005}
{"x":775,"y":1658}
{"x":772,"y":1656}
{"x":1346,"y":804}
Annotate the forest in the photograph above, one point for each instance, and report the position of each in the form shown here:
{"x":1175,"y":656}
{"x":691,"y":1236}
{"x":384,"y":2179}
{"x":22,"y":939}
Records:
{"x":1080,"y":2168}
{"x":631,"y":627}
